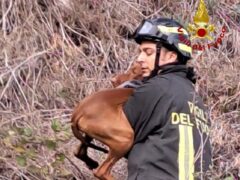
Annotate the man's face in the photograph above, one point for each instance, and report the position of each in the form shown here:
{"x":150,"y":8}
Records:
{"x":147,"y":56}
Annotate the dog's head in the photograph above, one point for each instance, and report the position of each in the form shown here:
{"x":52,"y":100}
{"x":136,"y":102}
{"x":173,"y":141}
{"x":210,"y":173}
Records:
{"x":135,"y":72}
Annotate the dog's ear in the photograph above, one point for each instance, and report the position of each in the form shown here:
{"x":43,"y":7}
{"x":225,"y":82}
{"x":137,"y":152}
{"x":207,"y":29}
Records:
{"x":117,"y":80}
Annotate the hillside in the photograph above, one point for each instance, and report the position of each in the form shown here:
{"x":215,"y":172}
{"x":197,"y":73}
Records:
{"x":54,"y":53}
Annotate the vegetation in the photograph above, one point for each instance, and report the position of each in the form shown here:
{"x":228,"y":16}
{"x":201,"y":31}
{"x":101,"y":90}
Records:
{"x":54,"y":53}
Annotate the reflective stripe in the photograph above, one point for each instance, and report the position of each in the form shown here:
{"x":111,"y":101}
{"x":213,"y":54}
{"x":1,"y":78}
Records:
{"x":167,"y":30}
{"x":185,"y":153}
{"x":181,"y":153}
{"x":191,"y":152}
{"x":185,"y":47}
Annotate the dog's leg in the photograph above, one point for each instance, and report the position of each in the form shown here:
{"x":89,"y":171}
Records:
{"x":117,"y":150}
{"x":103,"y":172}
{"x":82,"y":153}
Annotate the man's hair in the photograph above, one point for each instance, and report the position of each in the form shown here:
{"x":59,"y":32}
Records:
{"x":180,"y":58}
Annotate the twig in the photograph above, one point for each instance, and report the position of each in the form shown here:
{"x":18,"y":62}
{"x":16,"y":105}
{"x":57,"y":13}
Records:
{"x":75,"y":166}
{"x":22,"y":63}
{"x":3,"y":20}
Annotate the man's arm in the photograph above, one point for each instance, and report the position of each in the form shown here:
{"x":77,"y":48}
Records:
{"x":140,"y":109}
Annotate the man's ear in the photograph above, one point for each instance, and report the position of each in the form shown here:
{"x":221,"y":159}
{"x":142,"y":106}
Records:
{"x":173,"y":55}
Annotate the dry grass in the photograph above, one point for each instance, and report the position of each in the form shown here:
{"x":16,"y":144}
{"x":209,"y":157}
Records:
{"x":54,"y":53}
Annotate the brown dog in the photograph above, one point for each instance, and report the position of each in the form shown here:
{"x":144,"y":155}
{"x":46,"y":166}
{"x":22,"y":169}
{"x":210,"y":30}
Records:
{"x":100,"y":116}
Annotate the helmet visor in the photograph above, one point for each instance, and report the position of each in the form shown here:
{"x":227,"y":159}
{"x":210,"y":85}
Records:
{"x":147,"y":28}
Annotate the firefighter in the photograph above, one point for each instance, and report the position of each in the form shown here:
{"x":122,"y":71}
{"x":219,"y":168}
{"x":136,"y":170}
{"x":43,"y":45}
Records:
{"x":168,"y":116}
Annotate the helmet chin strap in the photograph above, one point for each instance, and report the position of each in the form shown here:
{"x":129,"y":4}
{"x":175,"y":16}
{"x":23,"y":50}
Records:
{"x":157,"y":60}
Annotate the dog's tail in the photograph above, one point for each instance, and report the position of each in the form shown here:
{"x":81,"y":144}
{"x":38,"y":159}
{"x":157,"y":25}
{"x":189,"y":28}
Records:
{"x":78,"y":135}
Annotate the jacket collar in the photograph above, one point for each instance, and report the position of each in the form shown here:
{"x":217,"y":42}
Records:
{"x":173,"y":68}
{"x":179,"y":69}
